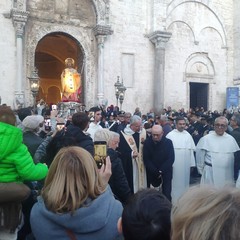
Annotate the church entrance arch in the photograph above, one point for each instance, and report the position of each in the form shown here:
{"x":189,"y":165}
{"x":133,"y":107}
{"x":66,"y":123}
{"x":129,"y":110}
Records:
{"x":199,"y":76}
{"x":50,"y":55}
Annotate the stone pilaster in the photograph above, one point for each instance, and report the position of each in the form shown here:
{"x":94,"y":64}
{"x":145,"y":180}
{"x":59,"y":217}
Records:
{"x":19,"y":18}
{"x":159,"y":39}
{"x":101,"y":32}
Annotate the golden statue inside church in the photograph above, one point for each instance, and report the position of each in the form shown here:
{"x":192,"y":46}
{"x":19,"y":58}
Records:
{"x":71,"y":82}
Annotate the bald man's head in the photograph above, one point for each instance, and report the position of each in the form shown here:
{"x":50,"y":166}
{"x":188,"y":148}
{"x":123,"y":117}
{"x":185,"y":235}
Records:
{"x":157,"y":133}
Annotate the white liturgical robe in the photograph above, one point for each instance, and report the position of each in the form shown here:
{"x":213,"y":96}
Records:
{"x":184,"y":159}
{"x":215,"y":159}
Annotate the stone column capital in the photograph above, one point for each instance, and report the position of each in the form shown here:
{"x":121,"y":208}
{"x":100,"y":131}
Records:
{"x":19,"y":20}
{"x":159,"y":38}
{"x":101,"y":32}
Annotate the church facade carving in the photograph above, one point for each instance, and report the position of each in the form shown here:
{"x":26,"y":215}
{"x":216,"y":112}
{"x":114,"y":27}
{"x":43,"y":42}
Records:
{"x":173,"y":43}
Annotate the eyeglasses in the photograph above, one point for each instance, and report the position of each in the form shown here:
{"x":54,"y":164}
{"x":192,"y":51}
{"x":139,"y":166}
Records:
{"x":220,"y":125}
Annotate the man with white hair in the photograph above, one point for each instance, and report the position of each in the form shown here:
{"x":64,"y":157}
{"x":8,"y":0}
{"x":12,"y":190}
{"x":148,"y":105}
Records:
{"x":215,"y":155}
{"x":118,"y":181}
{"x":130,"y":147}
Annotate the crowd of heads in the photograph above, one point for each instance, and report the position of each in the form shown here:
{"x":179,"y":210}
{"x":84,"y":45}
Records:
{"x":202,"y":213}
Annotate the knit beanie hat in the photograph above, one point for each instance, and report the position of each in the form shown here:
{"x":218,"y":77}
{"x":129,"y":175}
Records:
{"x":32,"y":122}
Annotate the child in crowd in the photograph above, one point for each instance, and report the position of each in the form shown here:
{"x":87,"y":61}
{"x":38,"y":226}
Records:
{"x":16,"y":166}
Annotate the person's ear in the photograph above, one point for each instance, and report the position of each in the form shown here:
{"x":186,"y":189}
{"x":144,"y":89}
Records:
{"x":119,"y":225}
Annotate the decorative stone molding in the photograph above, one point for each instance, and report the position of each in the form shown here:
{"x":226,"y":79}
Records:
{"x":19,"y":100}
{"x":40,"y":30}
{"x":102,"y":30}
{"x":199,"y":66}
{"x":102,"y":8}
{"x":19,"y":20}
{"x":20,"y":5}
{"x":159,"y":38}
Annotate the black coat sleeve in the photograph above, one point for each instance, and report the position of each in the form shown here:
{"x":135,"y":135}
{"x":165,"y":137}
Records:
{"x":118,"y":181}
{"x":166,"y":165}
{"x":148,"y":151}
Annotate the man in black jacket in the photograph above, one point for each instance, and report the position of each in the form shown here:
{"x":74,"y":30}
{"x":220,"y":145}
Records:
{"x":158,"y":156}
{"x":235,"y":124}
{"x":80,"y":123}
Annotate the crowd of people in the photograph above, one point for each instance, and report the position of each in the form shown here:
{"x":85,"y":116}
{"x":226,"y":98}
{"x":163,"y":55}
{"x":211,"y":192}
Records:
{"x":52,"y":188}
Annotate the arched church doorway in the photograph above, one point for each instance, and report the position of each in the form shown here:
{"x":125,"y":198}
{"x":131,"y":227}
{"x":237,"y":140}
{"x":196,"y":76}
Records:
{"x":199,"y":95}
{"x":50,"y":55}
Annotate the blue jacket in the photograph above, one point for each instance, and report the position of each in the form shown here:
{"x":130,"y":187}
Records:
{"x":97,"y":221}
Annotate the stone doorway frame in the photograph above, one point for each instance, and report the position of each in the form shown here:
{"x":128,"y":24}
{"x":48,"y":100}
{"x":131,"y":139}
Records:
{"x":199,"y":69}
{"x":38,"y":32}
{"x":80,"y":69}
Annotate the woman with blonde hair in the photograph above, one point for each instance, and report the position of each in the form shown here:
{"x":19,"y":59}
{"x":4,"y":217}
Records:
{"x":207,"y":213}
{"x":76,"y":202}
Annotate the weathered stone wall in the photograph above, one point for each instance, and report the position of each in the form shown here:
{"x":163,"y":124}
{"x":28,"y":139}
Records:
{"x":202,"y":28}
{"x":199,"y":50}
{"x":130,"y":24}
{"x":236,"y":38}
{"x":7,"y":53}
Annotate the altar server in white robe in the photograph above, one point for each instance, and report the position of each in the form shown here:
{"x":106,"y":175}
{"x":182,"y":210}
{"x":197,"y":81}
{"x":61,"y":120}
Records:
{"x":184,"y":148}
{"x":215,"y":155}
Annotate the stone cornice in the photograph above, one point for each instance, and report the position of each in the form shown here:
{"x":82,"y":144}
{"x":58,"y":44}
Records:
{"x":102,"y":30}
{"x":19,"y":18}
{"x":159,"y":38}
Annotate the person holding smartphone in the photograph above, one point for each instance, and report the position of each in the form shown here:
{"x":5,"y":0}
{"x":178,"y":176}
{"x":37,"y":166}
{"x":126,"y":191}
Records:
{"x":118,"y":181}
{"x":76,"y":201}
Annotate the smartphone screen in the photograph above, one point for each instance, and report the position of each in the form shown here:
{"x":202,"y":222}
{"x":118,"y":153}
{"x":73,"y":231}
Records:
{"x":47,"y":124}
{"x":54,"y":107}
{"x":72,"y":111}
{"x":100,"y":153}
{"x":60,"y":126}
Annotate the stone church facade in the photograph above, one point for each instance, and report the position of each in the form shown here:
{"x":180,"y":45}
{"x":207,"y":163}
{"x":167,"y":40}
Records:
{"x":179,"y":53}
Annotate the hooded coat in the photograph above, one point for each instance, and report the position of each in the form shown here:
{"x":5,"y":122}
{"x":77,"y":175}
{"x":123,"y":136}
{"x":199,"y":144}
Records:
{"x":16,"y":164}
{"x":95,"y":221}
{"x":83,"y":140}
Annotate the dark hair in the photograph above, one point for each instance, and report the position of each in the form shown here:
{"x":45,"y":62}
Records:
{"x":7,"y":115}
{"x":59,"y":141}
{"x":80,"y":119}
{"x":147,"y":125}
{"x":236,"y":117}
{"x":147,"y":216}
{"x":95,"y":109}
{"x":180,"y":118}
{"x":24,"y":112}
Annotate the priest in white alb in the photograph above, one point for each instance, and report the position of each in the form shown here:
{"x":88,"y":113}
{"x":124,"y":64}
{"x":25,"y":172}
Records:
{"x":184,"y":148}
{"x":215,"y":155}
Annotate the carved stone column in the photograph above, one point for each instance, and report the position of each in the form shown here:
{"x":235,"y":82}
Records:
{"x":101,"y":32}
{"x":159,"y":38}
{"x":19,"y":18}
